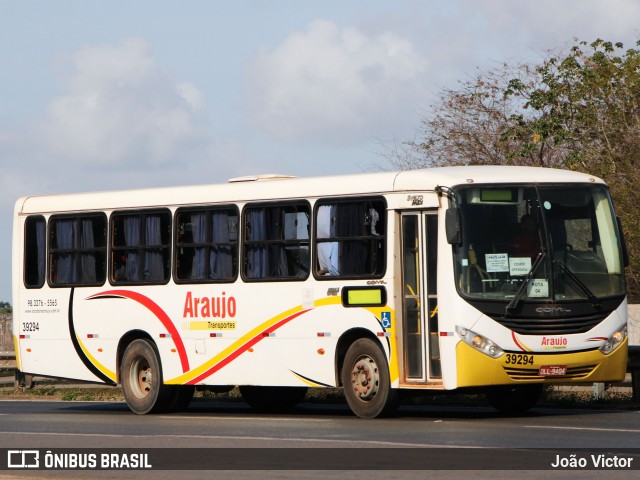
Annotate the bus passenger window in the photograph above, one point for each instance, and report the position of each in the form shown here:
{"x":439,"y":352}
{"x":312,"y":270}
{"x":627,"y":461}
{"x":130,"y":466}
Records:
{"x":207,"y":245}
{"x":350,"y":238}
{"x":140,"y":247}
{"x":34,"y":251}
{"x":276,"y":241}
{"x":77,"y":250}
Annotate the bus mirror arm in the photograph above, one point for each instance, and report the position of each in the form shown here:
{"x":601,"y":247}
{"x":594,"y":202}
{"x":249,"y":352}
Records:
{"x":452,"y":226}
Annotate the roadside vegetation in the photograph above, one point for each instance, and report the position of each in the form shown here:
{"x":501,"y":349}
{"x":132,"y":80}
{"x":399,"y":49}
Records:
{"x":577,"y":109}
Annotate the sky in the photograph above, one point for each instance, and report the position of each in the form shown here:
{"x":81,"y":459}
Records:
{"x":102,"y":95}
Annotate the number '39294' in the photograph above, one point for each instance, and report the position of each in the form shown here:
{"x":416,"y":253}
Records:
{"x":518,"y":359}
{"x":30,"y":326}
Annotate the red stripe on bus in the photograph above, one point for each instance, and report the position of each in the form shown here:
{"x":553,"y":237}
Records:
{"x":261,"y":336}
{"x":515,"y":340}
{"x":160,"y":315}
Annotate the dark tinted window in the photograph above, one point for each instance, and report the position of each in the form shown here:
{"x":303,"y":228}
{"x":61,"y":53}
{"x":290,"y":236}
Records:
{"x":276,"y":242}
{"x":350,"y":238}
{"x":140,"y":252}
{"x":206,"y":244}
{"x":77,"y":250}
{"x":35,"y":259}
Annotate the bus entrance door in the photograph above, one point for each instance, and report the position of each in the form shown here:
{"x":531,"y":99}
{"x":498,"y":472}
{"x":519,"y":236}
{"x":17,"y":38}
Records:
{"x":420,"y":346}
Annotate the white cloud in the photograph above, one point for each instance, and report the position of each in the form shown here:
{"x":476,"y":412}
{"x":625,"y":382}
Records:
{"x":553,"y":24}
{"x":333,"y":84}
{"x":120,"y":106}
{"x":191,"y":95}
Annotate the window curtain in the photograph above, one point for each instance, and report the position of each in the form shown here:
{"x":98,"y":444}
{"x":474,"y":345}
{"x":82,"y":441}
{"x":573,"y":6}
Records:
{"x":132,"y":239}
{"x":153,"y":265}
{"x":257,"y":261}
{"x":277,"y":251}
{"x":66,"y":265}
{"x":350,"y":222}
{"x":41,"y":228}
{"x":87,"y":260}
{"x":221,"y":256}
{"x":199,"y":236}
{"x":327,"y":251}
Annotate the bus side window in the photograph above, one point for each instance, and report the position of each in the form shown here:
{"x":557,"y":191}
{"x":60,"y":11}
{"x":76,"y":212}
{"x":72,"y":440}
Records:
{"x":77,"y":250}
{"x":350,"y":238}
{"x":276,"y":241}
{"x":140,"y":249}
{"x":327,"y":251}
{"x":207,"y":244}
{"x":34,"y":251}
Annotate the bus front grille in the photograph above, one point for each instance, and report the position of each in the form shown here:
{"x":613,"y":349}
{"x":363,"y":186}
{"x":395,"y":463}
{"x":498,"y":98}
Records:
{"x":551,"y":326}
{"x":573,"y":373}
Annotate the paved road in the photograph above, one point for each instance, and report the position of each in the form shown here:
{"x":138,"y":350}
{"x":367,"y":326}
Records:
{"x":327,"y":429}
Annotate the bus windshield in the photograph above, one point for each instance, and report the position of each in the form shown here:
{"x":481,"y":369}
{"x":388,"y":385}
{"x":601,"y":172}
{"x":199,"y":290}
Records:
{"x":538,"y":243}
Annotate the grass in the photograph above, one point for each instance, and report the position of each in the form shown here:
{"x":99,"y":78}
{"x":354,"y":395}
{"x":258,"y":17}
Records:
{"x":585,"y":399}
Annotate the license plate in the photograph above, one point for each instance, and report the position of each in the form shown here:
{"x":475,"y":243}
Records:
{"x":552,"y":370}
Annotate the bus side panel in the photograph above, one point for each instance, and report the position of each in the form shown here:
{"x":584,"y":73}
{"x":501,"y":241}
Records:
{"x":259,"y":337}
{"x":47,"y":344}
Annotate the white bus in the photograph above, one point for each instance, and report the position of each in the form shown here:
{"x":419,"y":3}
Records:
{"x":499,"y":278}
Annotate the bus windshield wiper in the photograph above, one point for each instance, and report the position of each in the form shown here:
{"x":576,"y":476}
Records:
{"x":513,"y":304}
{"x":586,"y":291}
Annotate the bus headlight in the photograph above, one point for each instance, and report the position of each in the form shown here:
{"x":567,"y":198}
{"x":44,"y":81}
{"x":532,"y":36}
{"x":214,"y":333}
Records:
{"x":480,"y":343}
{"x":614,"y":340}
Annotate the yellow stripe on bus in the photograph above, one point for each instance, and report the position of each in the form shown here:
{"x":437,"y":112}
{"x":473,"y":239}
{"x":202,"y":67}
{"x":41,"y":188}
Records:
{"x":112,"y":375}
{"x":191,"y":374}
{"x":17,"y":350}
{"x":323,"y":302}
{"x":307,"y":381}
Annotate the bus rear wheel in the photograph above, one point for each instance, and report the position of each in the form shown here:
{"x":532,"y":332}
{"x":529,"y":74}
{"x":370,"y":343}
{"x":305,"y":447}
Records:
{"x":514,"y":399}
{"x":141,"y":378}
{"x":366,"y":382}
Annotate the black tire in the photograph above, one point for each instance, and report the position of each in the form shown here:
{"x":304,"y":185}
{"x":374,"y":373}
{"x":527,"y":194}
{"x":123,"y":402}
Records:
{"x":366,"y":382}
{"x":272,"y":398}
{"x":514,"y":399}
{"x":141,"y":378}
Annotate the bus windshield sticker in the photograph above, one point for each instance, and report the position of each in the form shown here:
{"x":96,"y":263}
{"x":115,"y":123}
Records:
{"x":519,"y":266}
{"x":538,"y":287}
{"x":497,"y":262}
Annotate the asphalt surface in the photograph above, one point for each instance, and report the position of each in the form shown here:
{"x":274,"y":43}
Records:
{"x":322,"y":441}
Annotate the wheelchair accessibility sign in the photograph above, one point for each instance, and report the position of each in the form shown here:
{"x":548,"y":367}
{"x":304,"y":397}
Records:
{"x":385,"y":319}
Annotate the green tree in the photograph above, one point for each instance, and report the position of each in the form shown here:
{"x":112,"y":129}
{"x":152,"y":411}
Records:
{"x":578,"y":110}
{"x":5,"y":307}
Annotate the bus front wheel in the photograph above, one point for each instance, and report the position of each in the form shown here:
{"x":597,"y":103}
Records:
{"x":141,"y":377}
{"x":366,"y":382}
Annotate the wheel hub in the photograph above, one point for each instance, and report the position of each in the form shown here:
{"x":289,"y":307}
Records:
{"x":365,"y":378}
{"x":143,"y":378}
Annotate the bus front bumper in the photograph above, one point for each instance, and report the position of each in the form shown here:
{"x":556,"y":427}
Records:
{"x":476,"y":369}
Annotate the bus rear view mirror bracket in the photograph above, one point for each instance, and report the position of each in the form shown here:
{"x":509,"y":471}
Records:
{"x":452,"y":226}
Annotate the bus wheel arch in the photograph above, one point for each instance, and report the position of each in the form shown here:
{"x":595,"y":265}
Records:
{"x":141,"y":377}
{"x":365,"y":377}
{"x":344,"y":342}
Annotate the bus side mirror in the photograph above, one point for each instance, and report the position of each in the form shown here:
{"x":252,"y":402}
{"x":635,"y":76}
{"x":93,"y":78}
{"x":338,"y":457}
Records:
{"x":452,"y":226}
